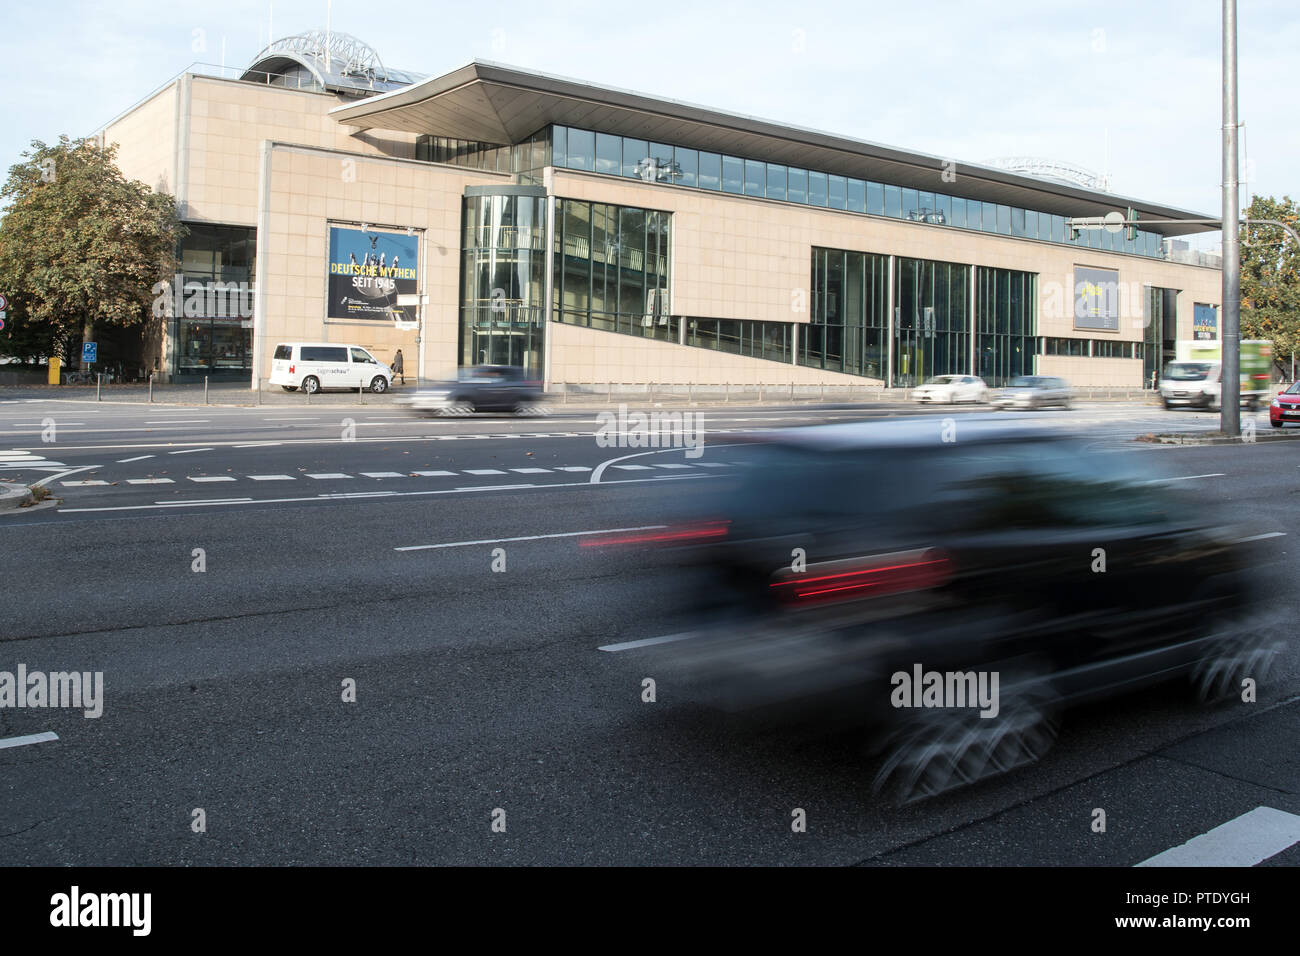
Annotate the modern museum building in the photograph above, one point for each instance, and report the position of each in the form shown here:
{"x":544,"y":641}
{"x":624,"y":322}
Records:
{"x":595,"y":235}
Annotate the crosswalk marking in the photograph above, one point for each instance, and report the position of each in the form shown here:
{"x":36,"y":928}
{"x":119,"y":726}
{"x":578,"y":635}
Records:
{"x":1243,"y":841}
{"x":483,"y":471}
{"x":327,"y":475}
{"x":573,"y":468}
{"x":634,"y":467}
{"x":149,"y":481}
{"x":82,"y":484}
{"x":532,"y":471}
{"x":271,"y":477}
{"x":382,"y":474}
{"x":211,"y":478}
{"x":434,"y":474}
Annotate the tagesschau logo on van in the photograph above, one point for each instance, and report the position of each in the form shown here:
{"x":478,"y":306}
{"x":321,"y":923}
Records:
{"x":651,"y":430}
{"x":76,"y":909}
{"x":64,"y":689}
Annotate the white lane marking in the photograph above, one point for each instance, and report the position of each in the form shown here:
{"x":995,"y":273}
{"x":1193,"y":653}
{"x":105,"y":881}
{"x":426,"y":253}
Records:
{"x":358,"y":494}
{"x":531,"y":537}
{"x":1161,"y":481}
{"x":395,"y":494}
{"x":713,"y":464}
{"x":572,"y":468}
{"x":382,"y":474}
{"x":83,"y":484}
{"x":150,"y":481}
{"x":126,"y":461}
{"x":532,"y":471}
{"x":258,"y":444}
{"x":331,"y":474}
{"x":494,"y":487}
{"x":8,"y":742}
{"x":19,"y":459}
{"x":1243,"y":841}
{"x":647,"y":642}
{"x":188,"y":451}
{"x":181,"y":421}
{"x":634,"y":467}
{"x":1266,"y":534}
{"x":196,"y":501}
{"x":433,"y":474}
{"x":290,"y":419}
{"x":40,"y":425}
{"x":669,"y":465}
{"x":63,"y":474}
{"x":483,"y":471}
{"x":272,"y":477}
{"x":211,"y":478}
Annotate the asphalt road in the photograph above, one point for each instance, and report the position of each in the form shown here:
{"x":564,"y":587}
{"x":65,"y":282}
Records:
{"x":479,"y":690}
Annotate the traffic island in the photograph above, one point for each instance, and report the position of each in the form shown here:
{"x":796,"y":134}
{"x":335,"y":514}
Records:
{"x":1218,"y":438}
{"x":16,"y":496}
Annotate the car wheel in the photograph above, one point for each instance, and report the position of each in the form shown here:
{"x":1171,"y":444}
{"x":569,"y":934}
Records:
{"x":379,"y":385}
{"x":1247,"y":651}
{"x":290,"y":388}
{"x":532,"y":409}
{"x":311,"y":385}
{"x":941,"y":750}
{"x":458,"y":407}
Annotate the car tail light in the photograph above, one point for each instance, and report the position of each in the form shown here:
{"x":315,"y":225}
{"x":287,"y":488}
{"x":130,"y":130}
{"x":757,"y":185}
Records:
{"x":871,"y":576}
{"x":665,"y":535}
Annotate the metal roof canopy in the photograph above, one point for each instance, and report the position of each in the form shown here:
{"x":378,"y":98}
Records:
{"x":492,"y":103}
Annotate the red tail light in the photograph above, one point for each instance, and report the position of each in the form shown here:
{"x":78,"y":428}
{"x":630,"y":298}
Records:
{"x":872,"y":576}
{"x":668,"y":534}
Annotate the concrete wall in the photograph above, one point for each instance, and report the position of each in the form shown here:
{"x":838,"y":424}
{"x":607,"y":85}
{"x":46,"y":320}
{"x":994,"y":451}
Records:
{"x":146,"y":141}
{"x":306,"y":190}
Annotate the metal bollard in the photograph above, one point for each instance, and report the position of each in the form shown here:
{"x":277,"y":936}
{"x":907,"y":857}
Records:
{"x":98,"y":380}
{"x":726,"y":395}
{"x":259,"y":390}
{"x":151,"y":388}
{"x":205,"y":390}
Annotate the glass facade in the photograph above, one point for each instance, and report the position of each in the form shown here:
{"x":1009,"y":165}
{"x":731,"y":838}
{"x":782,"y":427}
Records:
{"x":746,"y":176}
{"x":1160,"y":333}
{"x":1093,"y":348}
{"x":765,"y":340}
{"x":611,"y":268}
{"x":503,"y":278}
{"x":213,"y":329}
{"x":850,"y":311}
{"x":932,"y":320}
{"x":1006,"y":321}
{"x":526,"y":159}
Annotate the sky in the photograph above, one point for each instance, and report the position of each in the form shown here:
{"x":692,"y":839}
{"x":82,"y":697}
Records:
{"x":1128,"y":88}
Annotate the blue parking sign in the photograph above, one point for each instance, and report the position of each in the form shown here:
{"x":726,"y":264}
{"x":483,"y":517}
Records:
{"x":89,"y":352}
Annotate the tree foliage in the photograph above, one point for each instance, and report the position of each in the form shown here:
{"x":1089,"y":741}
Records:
{"x":79,"y":244}
{"x":1270,"y":277}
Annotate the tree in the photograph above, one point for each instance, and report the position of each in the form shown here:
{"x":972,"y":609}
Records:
{"x":1270,"y":278}
{"x":81,"y":244}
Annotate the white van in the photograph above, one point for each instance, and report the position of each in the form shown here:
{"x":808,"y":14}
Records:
{"x":312,"y":366}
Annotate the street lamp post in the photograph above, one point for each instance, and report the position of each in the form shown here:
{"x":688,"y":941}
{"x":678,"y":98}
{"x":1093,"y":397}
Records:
{"x":1230,"y":385}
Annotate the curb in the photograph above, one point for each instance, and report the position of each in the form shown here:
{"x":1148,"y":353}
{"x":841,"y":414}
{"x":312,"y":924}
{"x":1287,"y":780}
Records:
{"x":1194,"y":439}
{"x":13,"y":496}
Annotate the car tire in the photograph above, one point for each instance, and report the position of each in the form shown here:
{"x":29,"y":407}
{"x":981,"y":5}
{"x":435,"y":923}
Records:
{"x":936,"y":752}
{"x":379,"y":385}
{"x":458,"y":407}
{"x":311,"y":385}
{"x":532,"y":409}
{"x":290,"y":388}
{"x":1275,"y":424}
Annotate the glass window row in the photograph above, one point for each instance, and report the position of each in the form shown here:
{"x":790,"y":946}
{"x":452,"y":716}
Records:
{"x":612,"y":155}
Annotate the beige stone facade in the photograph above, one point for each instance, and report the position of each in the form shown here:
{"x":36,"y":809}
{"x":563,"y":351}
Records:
{"x":245,"y":154}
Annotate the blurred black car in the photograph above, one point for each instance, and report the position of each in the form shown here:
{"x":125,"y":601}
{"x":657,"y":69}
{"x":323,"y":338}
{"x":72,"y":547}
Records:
{"x":483,"y":388}
{"x":845,"y":555}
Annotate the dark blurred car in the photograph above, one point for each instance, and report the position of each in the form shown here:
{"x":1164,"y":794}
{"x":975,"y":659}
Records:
{"x":844,"y":555}
{"x":1286,"y":407}
{"x":484,"y":388}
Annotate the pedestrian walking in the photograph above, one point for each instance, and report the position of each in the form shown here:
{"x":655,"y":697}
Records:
{"x":399,"y":370}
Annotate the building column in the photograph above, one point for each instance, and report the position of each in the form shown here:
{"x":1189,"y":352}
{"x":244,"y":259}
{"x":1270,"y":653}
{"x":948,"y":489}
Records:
{"x":548,"y":181}
{"x":889,"y":328}
{"x":974,"y":325}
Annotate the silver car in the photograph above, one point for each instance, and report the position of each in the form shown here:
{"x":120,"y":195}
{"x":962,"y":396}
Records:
{"x":1034,"y":391}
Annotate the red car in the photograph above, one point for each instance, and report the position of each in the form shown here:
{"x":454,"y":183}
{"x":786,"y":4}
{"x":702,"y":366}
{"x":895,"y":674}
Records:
{"x":1286,"y":407}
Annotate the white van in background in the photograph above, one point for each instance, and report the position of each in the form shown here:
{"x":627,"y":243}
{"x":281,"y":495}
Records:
{"x":313,"y":366}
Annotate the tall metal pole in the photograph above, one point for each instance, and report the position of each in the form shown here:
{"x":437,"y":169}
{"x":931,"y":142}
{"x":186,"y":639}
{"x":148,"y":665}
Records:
{"x":1230,"y":394}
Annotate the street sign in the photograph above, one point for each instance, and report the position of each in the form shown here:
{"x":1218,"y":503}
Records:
{"x":1114,"y":222}
{"x":4,"y":303}
{"x":89,"y":353}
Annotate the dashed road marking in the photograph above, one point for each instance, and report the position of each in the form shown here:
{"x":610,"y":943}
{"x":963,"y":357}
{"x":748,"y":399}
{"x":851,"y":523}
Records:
{"x":202,"y":478}
{"x":8,"y":742}
{"x":127,"y":461}
{"x":483,"y":471}
{"x":531,"y":537}
{"x":381,"y":474}
{"x":328,"y":475}
{"x":150,"y":481}
{"x":272,"y":477}
{"x":188,"y":451}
